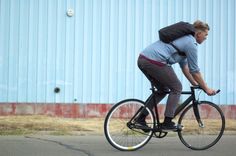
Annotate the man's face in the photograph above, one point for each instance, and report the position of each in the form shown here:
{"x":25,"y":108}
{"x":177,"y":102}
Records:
{"x":201,"y":36}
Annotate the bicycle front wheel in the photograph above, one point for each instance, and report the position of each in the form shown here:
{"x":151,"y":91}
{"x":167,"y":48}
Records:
{"x":117,"y":127}
{"x":200,"y":137}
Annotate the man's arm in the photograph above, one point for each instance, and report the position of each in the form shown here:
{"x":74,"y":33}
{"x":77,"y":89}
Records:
{"x":187,"y":74}
{"x":192,"y":71}
{"x":196,"y":79}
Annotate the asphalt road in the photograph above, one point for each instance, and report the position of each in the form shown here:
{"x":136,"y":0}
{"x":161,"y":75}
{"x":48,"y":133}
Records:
{"x":98,"y":146}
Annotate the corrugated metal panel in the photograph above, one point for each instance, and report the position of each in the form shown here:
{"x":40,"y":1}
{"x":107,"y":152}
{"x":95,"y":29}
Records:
{"x":92,"y":55}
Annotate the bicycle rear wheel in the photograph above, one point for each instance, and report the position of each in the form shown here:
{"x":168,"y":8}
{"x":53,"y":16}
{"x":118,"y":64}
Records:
{"x":201,"y":137}
{"x":117,"y":126}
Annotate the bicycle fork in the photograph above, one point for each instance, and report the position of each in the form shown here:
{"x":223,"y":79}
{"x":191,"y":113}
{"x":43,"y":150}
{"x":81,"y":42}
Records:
{"x":197,"y":114}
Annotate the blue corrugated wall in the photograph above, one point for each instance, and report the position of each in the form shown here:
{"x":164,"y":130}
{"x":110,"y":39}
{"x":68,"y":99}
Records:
{"x":92,"y":55}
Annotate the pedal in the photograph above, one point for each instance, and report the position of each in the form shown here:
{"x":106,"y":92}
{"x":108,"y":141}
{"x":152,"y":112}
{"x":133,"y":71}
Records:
{"x":180,"y":127}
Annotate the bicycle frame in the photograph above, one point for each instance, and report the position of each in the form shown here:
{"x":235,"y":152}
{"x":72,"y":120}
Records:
{"x":181,"y":107}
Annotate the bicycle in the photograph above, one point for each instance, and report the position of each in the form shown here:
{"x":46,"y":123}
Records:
{"x":202,"y":123}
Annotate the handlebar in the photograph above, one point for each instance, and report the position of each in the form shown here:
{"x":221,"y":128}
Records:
{"x":198,"y":87}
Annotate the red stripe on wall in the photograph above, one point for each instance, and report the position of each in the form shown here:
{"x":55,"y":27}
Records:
{"x":79,"y":110}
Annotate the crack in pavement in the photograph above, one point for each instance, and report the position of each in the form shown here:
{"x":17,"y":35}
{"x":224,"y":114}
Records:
{"x":70,"y":147}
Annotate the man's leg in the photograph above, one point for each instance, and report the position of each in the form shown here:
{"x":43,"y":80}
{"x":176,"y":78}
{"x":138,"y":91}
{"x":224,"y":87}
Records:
{"x":143,"y":64}
{"x":166,"y":76}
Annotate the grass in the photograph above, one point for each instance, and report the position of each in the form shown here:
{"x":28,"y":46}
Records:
{"x":37,"y":124}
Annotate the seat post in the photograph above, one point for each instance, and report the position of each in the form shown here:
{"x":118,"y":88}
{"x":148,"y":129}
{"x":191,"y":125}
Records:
{"x":153,"y":88}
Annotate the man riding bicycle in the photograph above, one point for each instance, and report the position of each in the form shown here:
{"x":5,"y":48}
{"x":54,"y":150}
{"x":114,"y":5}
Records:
{"x":155,"y":62}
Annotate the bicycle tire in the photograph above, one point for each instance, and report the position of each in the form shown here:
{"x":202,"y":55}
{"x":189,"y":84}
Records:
{"x":116,"y":130}
{"x":198,"y":137}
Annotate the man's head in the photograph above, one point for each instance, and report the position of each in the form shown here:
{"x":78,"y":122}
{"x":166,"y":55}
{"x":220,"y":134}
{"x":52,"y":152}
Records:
{"x":201,"y":31}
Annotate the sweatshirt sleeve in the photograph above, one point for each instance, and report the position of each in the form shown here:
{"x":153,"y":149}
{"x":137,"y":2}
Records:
{"x":192,"y":57}
{"x":182,"y":63}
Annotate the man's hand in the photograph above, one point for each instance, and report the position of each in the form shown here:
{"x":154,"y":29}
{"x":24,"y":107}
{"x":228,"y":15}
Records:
{"x":210,"y":91}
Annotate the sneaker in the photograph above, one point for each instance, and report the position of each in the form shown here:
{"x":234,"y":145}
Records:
{"x":141,"y":123}
{"x":169,"y":126}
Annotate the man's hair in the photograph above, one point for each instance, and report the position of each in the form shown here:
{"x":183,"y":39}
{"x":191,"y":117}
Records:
{"x":201,"y":26}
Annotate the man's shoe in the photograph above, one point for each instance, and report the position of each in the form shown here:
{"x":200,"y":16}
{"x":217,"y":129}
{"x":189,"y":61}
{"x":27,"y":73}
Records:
{"x":169,"y":126}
